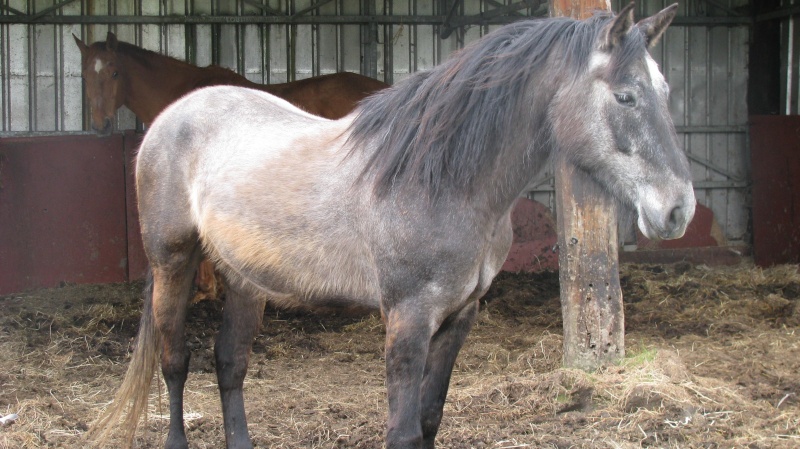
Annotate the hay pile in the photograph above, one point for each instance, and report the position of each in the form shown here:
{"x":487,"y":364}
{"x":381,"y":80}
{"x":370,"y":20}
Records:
{"x":713,"y":361}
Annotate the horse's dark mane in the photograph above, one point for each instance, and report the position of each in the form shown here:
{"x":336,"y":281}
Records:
{"x":146,"y":57}
{"x":444,"y":128}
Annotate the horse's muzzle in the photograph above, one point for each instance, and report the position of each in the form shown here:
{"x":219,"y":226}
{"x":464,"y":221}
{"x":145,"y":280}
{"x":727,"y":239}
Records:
{"x":668,"y":220}
{"x":105,"y":129}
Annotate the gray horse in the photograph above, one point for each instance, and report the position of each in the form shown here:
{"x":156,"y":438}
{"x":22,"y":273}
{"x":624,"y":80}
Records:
{"x":403,"y":206}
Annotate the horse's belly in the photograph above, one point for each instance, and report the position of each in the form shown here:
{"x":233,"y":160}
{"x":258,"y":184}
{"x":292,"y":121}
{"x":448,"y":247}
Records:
{"x":294,"y":266}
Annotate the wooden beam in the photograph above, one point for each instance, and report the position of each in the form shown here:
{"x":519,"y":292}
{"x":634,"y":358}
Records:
{"x":577,"y":9}
{"x":591,"y":296}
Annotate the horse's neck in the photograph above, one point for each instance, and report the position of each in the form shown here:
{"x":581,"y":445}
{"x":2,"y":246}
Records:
{"x":152,"y":89}
{"x":529,"y":149}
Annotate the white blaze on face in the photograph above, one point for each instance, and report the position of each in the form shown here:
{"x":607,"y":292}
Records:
{"x":656,"y":78}
{"x":598,"y":60}
{"x":98,"y":65}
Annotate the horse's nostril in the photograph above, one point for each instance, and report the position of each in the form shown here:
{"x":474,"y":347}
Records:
{"x":676,"y":221}
{"x":674,"y":216}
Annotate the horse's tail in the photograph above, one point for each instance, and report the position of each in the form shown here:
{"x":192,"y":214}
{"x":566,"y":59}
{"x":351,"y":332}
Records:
{"x":131,"y":398}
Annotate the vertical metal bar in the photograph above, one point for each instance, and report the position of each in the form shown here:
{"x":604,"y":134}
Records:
{"x":32,"y":90}
{"x":412,"y":41}
{"x":189,"y":43}
{"x":240,"y":47}
{"x":58,"y":77}
{"x":339,"y":40}
{"x":388,"y":45}
{"x":369,"y":47}
{"x":789,"y":67}
{"x":266,"y":34}
{"x":215,"y":35}
{"x":315,"y":47}
{"x":163,"y":30}
{"x":291,"y":34}
{"x":436,"y":50}
{"x":709,"y":81}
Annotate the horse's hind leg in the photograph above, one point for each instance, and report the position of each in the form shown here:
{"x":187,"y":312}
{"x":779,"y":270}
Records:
{"x":241,"y":321}
{"x":173,"y":276}
{"x":445,"y":344}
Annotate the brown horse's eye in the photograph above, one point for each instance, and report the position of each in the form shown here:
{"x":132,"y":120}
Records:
{"x":114,"y":75}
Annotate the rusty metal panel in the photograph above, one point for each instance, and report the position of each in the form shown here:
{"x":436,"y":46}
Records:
{"x":62,"y":211}
{"x":774,"y":142}
{"x":137,"y":260}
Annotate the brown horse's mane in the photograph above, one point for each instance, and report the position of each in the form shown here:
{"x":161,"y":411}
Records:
{"x":447,"y":126}
{"x":146,"y":59}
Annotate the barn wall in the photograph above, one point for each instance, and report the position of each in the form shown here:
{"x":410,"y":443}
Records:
{"x":704,"y":62}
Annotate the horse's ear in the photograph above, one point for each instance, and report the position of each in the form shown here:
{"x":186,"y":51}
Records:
{"x":111,"y":41}
{"x":618,"y":28}
{"x":81,"y":46}
{"x":654,"y":26}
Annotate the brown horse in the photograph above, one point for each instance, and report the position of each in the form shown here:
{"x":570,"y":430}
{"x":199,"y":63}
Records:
{"x":401,"y":207}
{"x":118,"y":73}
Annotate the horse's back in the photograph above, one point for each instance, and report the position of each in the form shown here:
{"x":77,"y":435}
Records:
{"x":224,"y":131}
{"x":225,"y":117}
{"x":243,"y":171}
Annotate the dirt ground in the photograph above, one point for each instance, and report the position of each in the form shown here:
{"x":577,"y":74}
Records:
{"x":713,"y":362}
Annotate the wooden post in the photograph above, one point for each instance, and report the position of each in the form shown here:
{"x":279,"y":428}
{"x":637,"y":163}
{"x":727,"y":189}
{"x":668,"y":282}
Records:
{"x":591,"y":297}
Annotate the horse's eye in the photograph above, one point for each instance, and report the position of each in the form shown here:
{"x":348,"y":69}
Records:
{"x":114,"y":75}
{"x":625,"y":99}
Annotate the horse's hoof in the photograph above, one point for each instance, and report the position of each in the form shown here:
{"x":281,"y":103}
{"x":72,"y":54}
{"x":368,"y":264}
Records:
{"x":176,"y":441}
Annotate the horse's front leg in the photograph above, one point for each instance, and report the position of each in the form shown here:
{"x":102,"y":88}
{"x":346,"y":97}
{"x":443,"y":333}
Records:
{"x":408,"y":337}
{"x":445,"y":345}
{"x":241,"y":321}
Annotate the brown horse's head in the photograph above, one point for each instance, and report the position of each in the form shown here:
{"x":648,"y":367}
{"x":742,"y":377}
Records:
{"x":103,"y":76}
